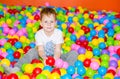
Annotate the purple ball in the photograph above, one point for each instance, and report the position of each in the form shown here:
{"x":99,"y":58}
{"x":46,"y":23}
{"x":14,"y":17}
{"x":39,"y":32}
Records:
{"x":81,"y":50}
{"x":15,"y":29}
{"x":113,"y":63}
{"x":82,"y":38}
{"x":104,"y":51}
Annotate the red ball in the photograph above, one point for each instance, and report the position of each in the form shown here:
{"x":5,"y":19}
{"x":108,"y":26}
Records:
{"x":36,"y":17}
{"x":89,"y":48}
{"x":37,"y":71}
{"x":57,"y":70}
{"x":87,"y":62}
{"x":16,"y":54}
{"x":14,"y":41}
{"x":1,"y":75}
{"x":36,"y":61}
{"x":33,"y":76}
{"x":12,"y":76}
{"x":71,"y":29}
{"x":86,"y":77}
{"x":4,"y":76}
{"x":50,"y":61}
{"x":118,"y":51}
{"x":78,"y":42}
{"x":91,"y":16}
{"x":105,"y":30}
{"x":26,"y":49}
{"x":111,"y":71}
{"x":84,"y":43}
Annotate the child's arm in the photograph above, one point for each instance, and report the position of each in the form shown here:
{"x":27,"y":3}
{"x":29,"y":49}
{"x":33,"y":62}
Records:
{"x":57,"y":52}
{"x":41,"y":51}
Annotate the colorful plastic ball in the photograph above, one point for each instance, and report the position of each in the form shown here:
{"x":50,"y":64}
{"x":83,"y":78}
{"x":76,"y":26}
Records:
{"x":82,"y":38}
{"x":36,"y":61}
{"x":90,"y":72}
{"x":102,"y":70}
{"x":50,"y":61}
{"x":81,"y":20}
{"x":73,"y":37}
{"x":96,"y":52}
{"x":105,"y":64}
{"x":10,"y":51}
{"x":105,"y":57}
{"x":37,"y":71}
{"x":111,"y":71}
{"x":1,"y":69}
{"x":118,"y":51}
{"x":113,"y":63}
{"x":70,"y":29}
{"x":81,"y":71}
{"x":5,"y":61}
{"x":56,"y":70}
{"x":26,"y":48}
{"x":17,"y":54}
{"x":49,"y":68}
{"x":12,"y":76}
{"x":93,"y":32}
{"x":32,"y":45}
{"x":101,"y":34}
{"x":63,"y":71}
{"x":78,"y":63}
{"x":94,"y":65}
{"x":87,"y":62}
{"x":66,"y":76}
{"x":46,"y":73}
{"x":97,"y":76}
{"x":54,"y":76}
{"x":29,"y":68}
{"x":102,"y":45}
{"x":110,"y":32}
{"x":10,"y":57}
{"x":59,"y":63}
{"x":18,"y":45}
{"x":71,"y":70}
{"x":65,"y":65}
{"x":81,"y":50}
{"x":7,"y":45}
{"x":78,"y":77}
{"x":117,"y":36}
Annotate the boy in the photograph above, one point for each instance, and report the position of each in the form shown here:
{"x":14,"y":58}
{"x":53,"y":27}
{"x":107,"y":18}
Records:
{"x":48,"y":43}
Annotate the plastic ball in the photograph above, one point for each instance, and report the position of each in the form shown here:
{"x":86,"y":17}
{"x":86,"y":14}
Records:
{"x":96,"y":52}
{"x":29,"y":68}
{"x":36,"y":61}
{"x":63,"y":71}
{"x":49,"y":68}
{"x":81,"y":50}
{"x":113,"y":63}
{"x":17,"y":54}
{"x":54,"y":76}
{"x":59,"y":63}
{"x":37,"y":71}
{"x":12,"y":76}
{"x":78,"y":63}
{"x":56,"y":70}
{"x":94,"y":65}
{"x":10,"y":57}
{"x":97,"y":76}
{"x":118,"y":51}
{"x":71,"y":29}
{"x":24,"y":77}
{"x":50,"y":61}
{"x":65,"y":65}
{"x":7,"y":45}
{"x":81,"y":70}
{"x":105,"y":64}
{"x":71,"y":70}
{"x":102,"y":71}
{"x":66,"y":76}
{"x":46,"y":73}
{"x":81,"y":57}
{"x":18,"y":45}
{"x":102,"y":45}
{"x":105,"y":57}
{"x":90,"y":72}
{"x":26,"y":48}
{"x":87,"y":62}
{"x":73,"y":37}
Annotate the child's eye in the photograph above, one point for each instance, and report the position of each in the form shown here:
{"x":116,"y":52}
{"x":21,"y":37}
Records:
{"x":51,"y":21}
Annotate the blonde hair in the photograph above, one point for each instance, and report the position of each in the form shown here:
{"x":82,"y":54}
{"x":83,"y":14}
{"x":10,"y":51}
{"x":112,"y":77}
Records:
{"x":47,"y":11}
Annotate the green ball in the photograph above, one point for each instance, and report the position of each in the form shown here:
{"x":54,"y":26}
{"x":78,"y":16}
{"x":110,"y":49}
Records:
{"x":68,"y":43}
{"x":109,"y":43}
{"x":90,"y":72}
{"x":14,"y":48}
{"x":41,"y":76}
{"x":19,"y":74}
{"x":117,"y":29}
{"x":23,"y":67}
{"x":68,"y":35}
{"x":105,"y":57}
{"x":77,"y":28}
{"x":29,"y":30}
{"x":80,"y":15}
{"x":1,"y":69}
{"x":116,"y":43}
{"x":7,"y":45}
{"x":105,"y":64}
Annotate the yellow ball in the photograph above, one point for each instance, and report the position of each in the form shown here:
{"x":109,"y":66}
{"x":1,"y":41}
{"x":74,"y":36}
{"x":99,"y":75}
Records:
{"x":64,"y":26}
{"x":15,"y":36}
{"x":29,"y":68}
{"x":34,"y":29}
{"x":81,"y":32}
{"x":118,"y":63}
{"x":75,"y":19}
{"x":81,"y":57}
{"x":63,"y":71}
{"x":109,"y":75}
{"x":67,"y":48}
{"x":55,"y":76}
{"x":8,"y":21}
{"x":95,"y":42}
{"x":3,"y":50}
{"x":20,"y":50}
{"x":85,"y":15}
{"x":46,"y":73}
{"x":22,"y":39}
{"x":40,"y":65}
{"x":24,"y":77}
{"x":88,"y":54}
{"x":100,"y":40}
{"x":5,"y":61}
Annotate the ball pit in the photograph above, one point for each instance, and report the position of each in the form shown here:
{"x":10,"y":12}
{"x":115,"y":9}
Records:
{"x":94,"y":35}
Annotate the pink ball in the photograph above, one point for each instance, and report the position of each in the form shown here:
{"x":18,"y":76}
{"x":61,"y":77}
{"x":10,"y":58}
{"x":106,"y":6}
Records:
{"x":59,"y":63}
{"x":94,"y":65}
{"x":4,"y":25}
{"x":6,"y":30}
{"x":74,"y":75}
{"x":2,"y":41}
{"x":77,"y":47}
{"x":65,"y":65}
{"x":73,"y":47}
{"x":11,"y":32}
{"x":20,"y":33}
{"x":24,"y":30}
{"x":105,"y":21}
{"x":116,"y":47}
{"x":118,"y":36}
{"x":111,"y":49}
{"x":118,"y":72}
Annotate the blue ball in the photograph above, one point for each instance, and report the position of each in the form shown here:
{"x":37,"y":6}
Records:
{"x":101,"y":34}
{"x":73,"y":37}
{"x":96,"y":52}
{"x":81,"y":70}
{"x":10,"y":57}
{"x":78,"y":63}
{"x":81,"y":20}
{"x":10,"y":51}
{"x":78,"y":77}
{"x":71,"y":70}
{"x":102,"y":70}
{"x":102,"y":45}
{"x":49,"y":68}
{"x":110,"y":32}
{"x":32,"y":45}
{"x":89,"y":38}
{"x":18,"y":45}
{"x":66,"y":76}
{"x":97,"y":76}
{"x":93,"y":32}
{"x":91,"y":26}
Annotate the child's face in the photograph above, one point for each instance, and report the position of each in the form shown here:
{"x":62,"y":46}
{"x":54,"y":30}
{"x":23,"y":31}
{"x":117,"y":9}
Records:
{"x":48,"y":22}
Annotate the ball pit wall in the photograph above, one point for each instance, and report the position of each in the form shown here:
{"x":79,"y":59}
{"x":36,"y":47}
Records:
{"x":109,"y":5}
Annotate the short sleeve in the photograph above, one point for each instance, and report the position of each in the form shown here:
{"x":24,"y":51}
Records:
{"x":59,"y":38}
{"x":38,"y":39}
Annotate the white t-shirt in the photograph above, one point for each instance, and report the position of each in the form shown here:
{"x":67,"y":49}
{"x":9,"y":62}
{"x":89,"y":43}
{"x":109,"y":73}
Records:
{"x":42,"y":39}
